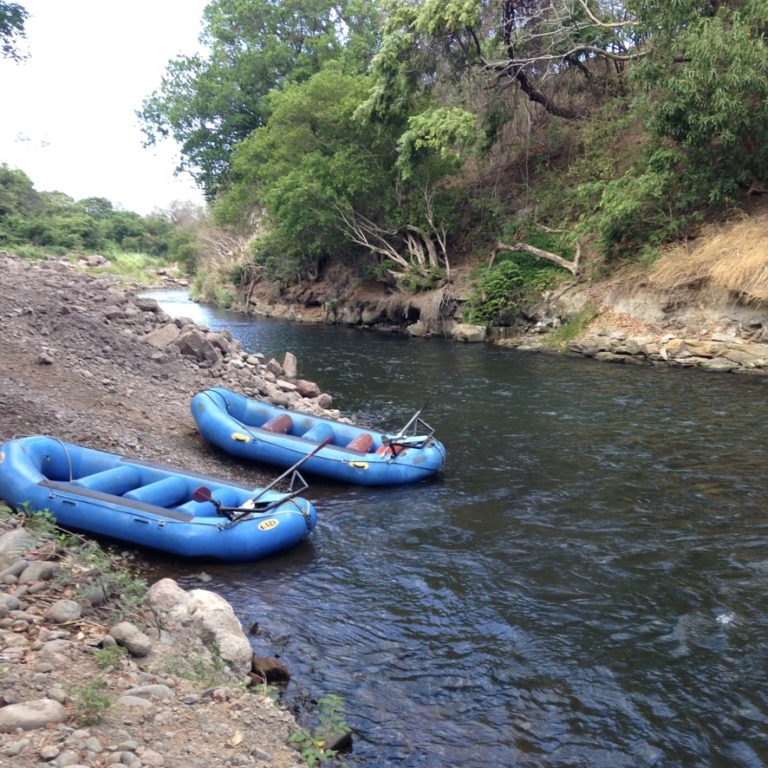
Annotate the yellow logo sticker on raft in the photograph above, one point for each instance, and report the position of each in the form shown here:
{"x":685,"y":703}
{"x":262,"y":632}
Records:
{"x":268,"y":525}
{"x":2,"y":457}
{"x":240,"y":437}
{"x":359,"y":464}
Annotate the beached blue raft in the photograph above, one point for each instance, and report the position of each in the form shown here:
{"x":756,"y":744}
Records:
{"x":149,"y":504}
{"x":256,"y":430}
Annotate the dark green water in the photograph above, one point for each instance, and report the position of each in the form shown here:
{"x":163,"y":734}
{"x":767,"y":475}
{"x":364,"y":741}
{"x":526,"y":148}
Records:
{"x":585,"y":585}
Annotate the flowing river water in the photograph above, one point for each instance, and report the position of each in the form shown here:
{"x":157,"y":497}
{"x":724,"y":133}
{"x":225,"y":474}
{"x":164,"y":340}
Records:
{"x":586,"y":584}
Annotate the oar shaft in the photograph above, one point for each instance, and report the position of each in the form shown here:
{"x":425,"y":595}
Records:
{"x":412,"y":420}
{"x":292,"y":469}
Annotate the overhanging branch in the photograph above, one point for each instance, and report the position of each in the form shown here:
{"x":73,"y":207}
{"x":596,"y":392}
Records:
{"x":571,"y":266}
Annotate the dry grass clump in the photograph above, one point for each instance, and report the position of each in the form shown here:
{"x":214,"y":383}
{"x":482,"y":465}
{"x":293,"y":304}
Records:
{"x":432,"y":307}
{"x":732,"y":258}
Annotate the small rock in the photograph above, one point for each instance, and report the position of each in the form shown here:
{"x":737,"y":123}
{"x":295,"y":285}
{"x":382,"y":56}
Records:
{"x":133,"y":702}
{"x":129,"y":745}
{"x":48,"y":752}
{"x":290,"y":365}
{"x":269,"y":670}
{"x":324,"y":401}
{"x":63,"y":611}
{"x":92,"y":744}
{"x":131,"y":638}
{"x":339,"y":742}
{"x":275,"y":368}
{"x":57,"y":693}
{"x":8,"y":603}
{"x":67,"y":758}
{"x":38,"y":570}
{"x":152,"y":691}
{"x":15,"y":569}
{"x":151,"y":758}
{"x":13,"y":543}
{"x":307,"y":388}
{"x":15,"y":748}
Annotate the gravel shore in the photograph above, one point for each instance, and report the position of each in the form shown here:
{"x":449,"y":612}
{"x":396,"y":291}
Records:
{"x":88,"y":362}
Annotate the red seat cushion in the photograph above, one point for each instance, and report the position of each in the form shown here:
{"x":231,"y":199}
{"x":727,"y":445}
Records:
{"x":280,"y":424}
{"x":361,"y":444}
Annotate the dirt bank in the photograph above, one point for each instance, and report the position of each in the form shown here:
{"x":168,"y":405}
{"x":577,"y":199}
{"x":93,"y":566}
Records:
{"x":76,"y":362}
{"x":703,"y":304}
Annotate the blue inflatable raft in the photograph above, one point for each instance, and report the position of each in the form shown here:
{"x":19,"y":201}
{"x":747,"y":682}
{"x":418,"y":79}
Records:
{"x":151,"y":505}
{"x":253,"y":429}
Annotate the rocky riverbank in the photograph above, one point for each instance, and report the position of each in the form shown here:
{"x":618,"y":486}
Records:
{"x":164,"y":686}
{"x":634,"y":322}
{"x":88,"y":362}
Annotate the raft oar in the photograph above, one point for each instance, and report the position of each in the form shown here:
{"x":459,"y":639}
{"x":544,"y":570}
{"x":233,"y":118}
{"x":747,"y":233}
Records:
{"x":405,"y":429}
{"x":204,"y":494}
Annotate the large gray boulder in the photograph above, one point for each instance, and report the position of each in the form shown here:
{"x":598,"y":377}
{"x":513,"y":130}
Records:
{"x":193,"y":343}
{"x":29,"y":715}
{"x":167,"y":598}
{"x":215,"y":623}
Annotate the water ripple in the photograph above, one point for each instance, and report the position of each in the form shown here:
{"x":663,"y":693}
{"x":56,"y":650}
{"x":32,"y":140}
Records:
{"x":586,"y":584}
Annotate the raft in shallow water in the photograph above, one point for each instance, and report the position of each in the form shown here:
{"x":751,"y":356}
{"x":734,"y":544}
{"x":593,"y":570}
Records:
{"x":256,"y":430}
{"x":152,"y":505}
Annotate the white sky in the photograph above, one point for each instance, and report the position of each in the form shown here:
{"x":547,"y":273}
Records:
{"x":68,"y":112}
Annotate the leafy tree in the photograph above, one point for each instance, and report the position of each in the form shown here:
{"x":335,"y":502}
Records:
{"x":534,"y":44}
{"x":210,"y":103}
{"x":714,"y":103}
{"x":17,"y":192}
{"x":18,"y":201}
{"x":98,"y":207}
{"x":308,"y":162}
{"x":440,"y":133}
{"x":704,"y":86}
{"x":12,"y":19}
{"x":55,"y":221}
{"x":329,"y":183}
{"x":126,"y":229}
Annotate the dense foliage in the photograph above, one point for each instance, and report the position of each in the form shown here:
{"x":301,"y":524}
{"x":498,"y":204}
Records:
{"x":53,"y":222}
{"x":409,"y":136}
{"x":653,"y":112}
{"x":209,"y":103}
{"x":12,"y":20}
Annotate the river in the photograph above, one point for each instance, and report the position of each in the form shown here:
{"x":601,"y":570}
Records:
{"x":586,"y":583}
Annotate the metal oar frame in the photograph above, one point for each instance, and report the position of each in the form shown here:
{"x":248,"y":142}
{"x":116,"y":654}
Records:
{"x":293,"y":481}
{"x":294,"y":485}
{"x":416,"y":434}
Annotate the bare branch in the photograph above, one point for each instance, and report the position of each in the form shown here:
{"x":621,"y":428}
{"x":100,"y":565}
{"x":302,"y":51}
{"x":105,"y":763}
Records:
{"x":511,"y":63}
{"x":368,"y":234}
{"x":605,"y":24}
{"x":571,"y":266}
{"x":426,"y":249}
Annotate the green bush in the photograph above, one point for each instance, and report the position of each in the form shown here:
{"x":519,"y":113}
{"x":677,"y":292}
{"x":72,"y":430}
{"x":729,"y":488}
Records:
{"x":646,"y":206}
{"x":312,"y":746}
{"x":91,"y":700}
{"x":491,"y":299}
{"x":497,"y":293}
